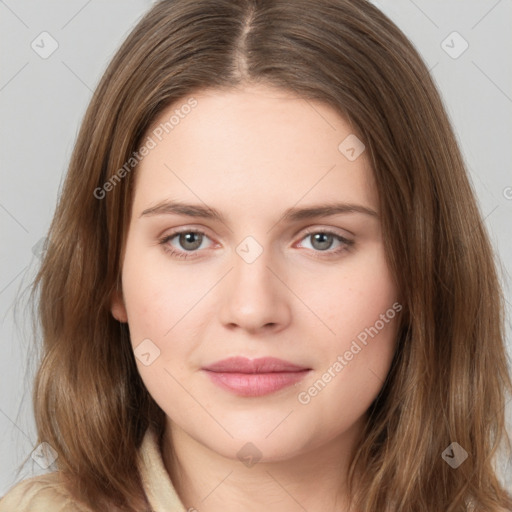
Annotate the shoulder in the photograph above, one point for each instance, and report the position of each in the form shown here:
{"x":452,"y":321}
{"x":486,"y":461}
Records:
{"x":45,"y":493}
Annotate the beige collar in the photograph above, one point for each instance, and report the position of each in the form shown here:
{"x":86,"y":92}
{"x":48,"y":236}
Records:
{"x":155,"y":479}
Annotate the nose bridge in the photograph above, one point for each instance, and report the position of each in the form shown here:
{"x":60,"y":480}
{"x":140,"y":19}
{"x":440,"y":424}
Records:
{"x":251,"y":263}
{"x":251,"y":272}
{"x":252,"y":297}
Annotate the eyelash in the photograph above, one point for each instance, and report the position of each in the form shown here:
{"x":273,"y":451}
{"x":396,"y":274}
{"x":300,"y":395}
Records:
{"x":347,"y":244}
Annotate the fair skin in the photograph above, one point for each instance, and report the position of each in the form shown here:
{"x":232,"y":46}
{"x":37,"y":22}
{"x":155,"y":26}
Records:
{"x":251,"y":154}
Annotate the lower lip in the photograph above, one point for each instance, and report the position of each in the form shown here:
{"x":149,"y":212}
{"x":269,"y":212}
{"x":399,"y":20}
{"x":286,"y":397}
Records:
{"x":255,"y":384}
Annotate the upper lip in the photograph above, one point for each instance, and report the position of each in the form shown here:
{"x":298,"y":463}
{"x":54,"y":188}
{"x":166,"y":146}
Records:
{"x":260,"y":365}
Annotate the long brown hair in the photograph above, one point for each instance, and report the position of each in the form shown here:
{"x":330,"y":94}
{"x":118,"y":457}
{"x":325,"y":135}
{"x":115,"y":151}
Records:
{"x":449,"y":378}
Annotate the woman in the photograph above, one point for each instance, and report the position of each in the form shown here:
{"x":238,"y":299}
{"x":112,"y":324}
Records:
{"x":333,"y":337}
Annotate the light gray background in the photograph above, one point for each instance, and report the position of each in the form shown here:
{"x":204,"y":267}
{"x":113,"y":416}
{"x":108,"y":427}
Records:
{"x":42,"y":102}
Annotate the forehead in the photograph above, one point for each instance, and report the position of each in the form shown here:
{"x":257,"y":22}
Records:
{"x":259,"y":145}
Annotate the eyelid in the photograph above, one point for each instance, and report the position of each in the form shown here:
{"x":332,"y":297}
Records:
{"x":186,"y":229}
{"x":323,"y":229}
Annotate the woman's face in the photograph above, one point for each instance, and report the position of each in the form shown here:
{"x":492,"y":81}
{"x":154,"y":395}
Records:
{"x":265,"y":276}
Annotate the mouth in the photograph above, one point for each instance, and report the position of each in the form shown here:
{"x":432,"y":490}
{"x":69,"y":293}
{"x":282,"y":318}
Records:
{"x":256,"y":377}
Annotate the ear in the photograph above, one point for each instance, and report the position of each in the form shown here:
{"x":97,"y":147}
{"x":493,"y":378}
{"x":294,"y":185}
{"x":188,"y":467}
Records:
{"x":118,"y":308}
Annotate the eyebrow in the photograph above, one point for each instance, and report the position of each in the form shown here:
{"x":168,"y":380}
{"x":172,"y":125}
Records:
{"x":293,"y":214}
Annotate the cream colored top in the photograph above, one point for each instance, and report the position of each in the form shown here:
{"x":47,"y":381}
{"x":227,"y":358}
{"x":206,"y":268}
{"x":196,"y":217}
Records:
{"x":46,"y":493}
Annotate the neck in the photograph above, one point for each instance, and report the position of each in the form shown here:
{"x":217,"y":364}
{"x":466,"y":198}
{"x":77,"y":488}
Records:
{"x":313,"y":479}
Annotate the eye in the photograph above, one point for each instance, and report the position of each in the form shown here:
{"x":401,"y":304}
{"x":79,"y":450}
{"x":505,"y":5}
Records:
{"x":323,"y":240}
{"x":188,"y":241}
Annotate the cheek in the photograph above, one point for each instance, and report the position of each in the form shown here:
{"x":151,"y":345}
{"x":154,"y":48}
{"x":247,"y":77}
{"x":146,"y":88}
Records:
{"x":157,"y":304}
{"x":160,"y":304}
{"x":360,"y":312}
{"x":352,"y":372}
{"x":155,"y":298}
{"x":351,"y":297}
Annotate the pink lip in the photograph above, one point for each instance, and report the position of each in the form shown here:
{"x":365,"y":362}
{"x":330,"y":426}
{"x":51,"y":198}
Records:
{"x":257,"y":377}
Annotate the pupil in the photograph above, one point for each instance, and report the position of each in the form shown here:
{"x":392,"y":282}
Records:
{"x":188,"y":238}
{"x":325,"y":243}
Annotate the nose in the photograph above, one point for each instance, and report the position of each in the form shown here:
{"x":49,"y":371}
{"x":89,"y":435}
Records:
{"x":253,"y":296}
